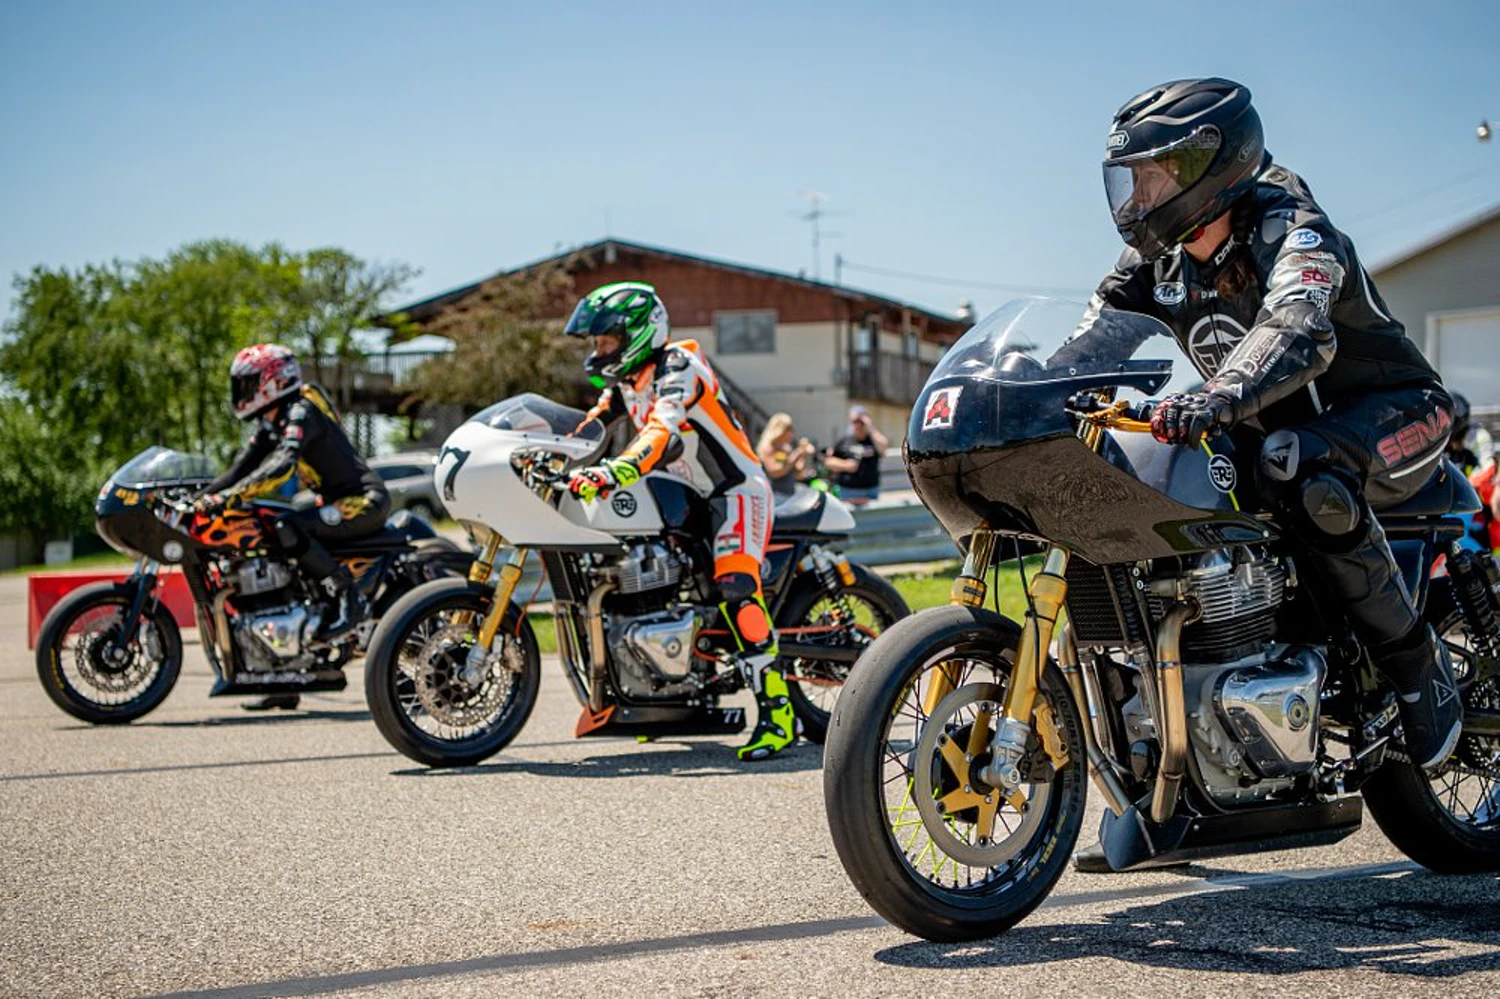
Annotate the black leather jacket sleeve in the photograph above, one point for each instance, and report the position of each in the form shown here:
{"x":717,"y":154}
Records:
{"x":1127,"y":288}
{"x":260,"y":445}
{"x":279,"y":463}
{"x":1292,"y":341}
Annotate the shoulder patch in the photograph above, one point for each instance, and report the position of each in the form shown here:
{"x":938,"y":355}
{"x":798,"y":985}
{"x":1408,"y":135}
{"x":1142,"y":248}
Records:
{"x":1304,"y":239}
{"x":676,"y":360}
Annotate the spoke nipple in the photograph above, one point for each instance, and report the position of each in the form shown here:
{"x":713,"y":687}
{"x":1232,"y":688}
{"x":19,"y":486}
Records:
{"x":988,"y":799}
{"x":968,"y":789}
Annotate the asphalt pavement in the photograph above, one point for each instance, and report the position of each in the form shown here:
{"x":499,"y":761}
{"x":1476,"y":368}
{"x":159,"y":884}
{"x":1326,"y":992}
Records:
{"x":207,"y":851}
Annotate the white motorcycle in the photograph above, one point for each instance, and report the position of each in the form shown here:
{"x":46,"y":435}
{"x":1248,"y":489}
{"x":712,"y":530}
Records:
{"x":452,"y":671}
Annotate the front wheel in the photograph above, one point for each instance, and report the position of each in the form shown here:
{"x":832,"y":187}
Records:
{"x":426,"y":700}
{"x":931,"y":847}
{"x":88,"y":673}
{"x":846,"y":622}
{"x":1449,"y":821}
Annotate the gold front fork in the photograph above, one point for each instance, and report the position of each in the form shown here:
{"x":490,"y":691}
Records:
{"x":968,"y":591}
{"x":505,"y":588}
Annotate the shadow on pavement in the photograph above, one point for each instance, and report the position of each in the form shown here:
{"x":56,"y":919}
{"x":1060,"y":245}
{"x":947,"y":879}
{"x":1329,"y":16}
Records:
{"x":688,"y":759}
{"x":1422,"y":925}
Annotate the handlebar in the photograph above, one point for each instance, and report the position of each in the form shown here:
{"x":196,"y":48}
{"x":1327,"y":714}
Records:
{"x":1119,"y":415}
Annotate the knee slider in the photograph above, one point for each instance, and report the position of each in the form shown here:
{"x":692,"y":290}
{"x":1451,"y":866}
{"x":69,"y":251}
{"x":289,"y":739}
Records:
{"x":735,"y":587}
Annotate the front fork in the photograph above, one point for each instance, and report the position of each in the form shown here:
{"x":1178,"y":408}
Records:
{"x":1013,"y":728}
{"x":476,"y":664}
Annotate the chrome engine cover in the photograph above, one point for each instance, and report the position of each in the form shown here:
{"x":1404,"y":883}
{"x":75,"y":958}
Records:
{"x":653,"y":653}
{"x":275,"y":639}
{"x":1272,"y":709}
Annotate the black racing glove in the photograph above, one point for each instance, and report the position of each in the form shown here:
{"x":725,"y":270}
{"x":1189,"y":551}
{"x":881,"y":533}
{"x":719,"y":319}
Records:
{"x":1186,"y":418}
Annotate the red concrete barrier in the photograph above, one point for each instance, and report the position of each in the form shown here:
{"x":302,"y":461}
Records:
{"x":45,"y":589}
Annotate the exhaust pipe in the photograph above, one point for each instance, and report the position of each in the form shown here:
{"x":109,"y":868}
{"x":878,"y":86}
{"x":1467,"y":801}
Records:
{"x":1172,"y":717}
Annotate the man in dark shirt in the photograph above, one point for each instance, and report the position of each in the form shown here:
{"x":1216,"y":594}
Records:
{"x":855,"y":459}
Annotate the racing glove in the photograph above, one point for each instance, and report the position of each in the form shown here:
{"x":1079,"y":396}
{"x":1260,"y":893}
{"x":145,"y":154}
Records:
{"x":598,"y":481}
{"x":1186,"y":418}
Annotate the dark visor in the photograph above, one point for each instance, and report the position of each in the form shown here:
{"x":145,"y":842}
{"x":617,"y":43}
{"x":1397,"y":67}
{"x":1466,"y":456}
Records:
{"x":1138,"y":185}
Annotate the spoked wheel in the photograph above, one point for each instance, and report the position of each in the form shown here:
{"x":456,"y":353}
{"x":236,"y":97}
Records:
{"x":90,"y":673}
{"x":933,"y":848}
{"x":1448,"y":821}
{"x":427,"y":699}
{"x":849,"y":622}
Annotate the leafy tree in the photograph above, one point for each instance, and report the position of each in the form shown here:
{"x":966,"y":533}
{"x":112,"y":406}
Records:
{"x":506,"y":340}
{"x":42,"y":488}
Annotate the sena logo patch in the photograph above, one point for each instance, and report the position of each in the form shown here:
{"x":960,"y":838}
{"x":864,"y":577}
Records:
{"x":938,"y":415}
{"x":1415,"y":438}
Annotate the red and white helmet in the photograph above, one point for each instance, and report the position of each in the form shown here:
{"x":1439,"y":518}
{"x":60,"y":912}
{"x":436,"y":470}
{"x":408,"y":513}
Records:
{"x":261,"y":376}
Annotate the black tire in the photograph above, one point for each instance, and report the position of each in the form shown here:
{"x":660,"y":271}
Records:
{"x":1406,"y":804}
{"x":855,"y":784}
{"x":886,"y":607}
{"x":387,"y":686}
{"x":75,"y":699}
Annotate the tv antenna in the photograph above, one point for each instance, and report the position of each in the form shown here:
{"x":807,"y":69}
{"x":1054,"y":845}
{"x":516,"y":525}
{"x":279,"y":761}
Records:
{"x":815,"y":214}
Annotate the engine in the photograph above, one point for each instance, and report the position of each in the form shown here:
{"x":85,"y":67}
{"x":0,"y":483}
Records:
{"x":273,"y":623}
{"x":651,"y":629}
{"x":1252,"y":706}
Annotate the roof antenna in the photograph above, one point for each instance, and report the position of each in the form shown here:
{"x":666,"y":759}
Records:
{"x":814,"y":214}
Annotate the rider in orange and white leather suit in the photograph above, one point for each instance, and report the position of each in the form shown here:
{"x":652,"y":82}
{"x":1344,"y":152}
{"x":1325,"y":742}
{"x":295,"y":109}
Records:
{"x":674,"y":401}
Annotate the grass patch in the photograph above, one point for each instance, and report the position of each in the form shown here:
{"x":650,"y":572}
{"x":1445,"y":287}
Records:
{"x":99,"y":560}
{"x":929,"y":587}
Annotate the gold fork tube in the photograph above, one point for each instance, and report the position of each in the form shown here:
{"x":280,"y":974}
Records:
{"x":505,"y":588}
{"x":1048,"y":588}
{"x":968,"y":591}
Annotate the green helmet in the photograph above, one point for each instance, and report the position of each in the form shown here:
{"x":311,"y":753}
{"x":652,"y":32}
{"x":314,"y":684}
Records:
{"x":633,"y":311}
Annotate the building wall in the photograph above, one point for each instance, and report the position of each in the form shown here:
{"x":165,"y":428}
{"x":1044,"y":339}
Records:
{"x":1462,"y":274}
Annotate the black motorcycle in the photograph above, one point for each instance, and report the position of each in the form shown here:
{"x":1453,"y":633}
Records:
{"x":110,"y":652}
{"x":1216,"y":695}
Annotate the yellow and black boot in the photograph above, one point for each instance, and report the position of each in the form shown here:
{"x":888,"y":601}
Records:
{"x":776,"y":722}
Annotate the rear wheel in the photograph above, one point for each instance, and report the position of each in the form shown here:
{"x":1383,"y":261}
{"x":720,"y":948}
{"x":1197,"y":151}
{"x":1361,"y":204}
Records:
{"x":850,"y":621}
{"x":89,"y":674}
{"x":1448,"y":821}
{"x":425,"y":700}
{"x":930,"y":846}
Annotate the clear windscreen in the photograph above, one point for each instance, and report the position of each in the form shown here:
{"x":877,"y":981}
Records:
{"x":1032,"y":339}
{"x":161,"y":466}
{"x":535,"y":414}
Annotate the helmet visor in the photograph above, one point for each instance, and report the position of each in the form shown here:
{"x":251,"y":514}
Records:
{"x":242,"y":390}
{"x":591,"y":320}
{"x":1138,"y":185}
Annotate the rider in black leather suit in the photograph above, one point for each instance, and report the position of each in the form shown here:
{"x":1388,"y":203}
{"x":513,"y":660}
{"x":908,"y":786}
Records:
{"x":299,"y":444}
{"x":1272,"y":305}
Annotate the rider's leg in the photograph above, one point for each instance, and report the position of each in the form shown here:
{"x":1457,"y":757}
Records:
{"x":347,"y":517}
{"x":1324,"y":477}
{"x":739,"y":547}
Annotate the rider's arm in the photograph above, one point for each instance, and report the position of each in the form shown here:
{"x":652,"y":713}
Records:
{"x":280,"y":465}
{"x":261,"y":444}
{"x":1292,"y":341}
{"x":678,"y":388}
{"x":1127,"y":288}
{"x":598,"y":409}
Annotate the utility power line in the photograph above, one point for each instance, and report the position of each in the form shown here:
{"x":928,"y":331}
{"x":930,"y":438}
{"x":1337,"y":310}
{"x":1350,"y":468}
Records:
{"x":1446,"y":185}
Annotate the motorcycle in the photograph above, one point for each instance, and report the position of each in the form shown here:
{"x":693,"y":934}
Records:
{"x":1216,"y":695}
{"x":453,"y":668}
{"x":108,"y":652}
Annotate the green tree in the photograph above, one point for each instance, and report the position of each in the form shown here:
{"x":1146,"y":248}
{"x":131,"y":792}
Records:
{"x":507,"y":339}
{"x":43,"y":488}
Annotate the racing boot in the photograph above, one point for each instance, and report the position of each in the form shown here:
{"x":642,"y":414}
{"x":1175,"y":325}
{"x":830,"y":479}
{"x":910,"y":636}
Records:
{"x":776,"y":722}
{"x":345,"y":607}
{"x":1419,"y":668}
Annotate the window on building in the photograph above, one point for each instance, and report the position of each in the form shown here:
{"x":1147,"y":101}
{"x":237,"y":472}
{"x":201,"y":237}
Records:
{"x":745,"y":332}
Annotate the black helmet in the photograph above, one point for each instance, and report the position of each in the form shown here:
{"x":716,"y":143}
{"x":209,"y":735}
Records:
{"x":1177,"y":157}
{"x":1460,"y":414}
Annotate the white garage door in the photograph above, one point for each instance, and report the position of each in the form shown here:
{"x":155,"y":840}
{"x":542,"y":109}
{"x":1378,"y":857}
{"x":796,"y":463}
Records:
{"x":1465,"y":346}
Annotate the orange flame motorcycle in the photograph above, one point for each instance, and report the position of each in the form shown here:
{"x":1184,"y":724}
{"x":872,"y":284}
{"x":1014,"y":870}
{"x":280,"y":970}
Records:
{"x":110,"y":652}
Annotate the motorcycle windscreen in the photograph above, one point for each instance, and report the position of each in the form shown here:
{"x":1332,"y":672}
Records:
{"x":160,"y":466}
{"x":535,"y":414}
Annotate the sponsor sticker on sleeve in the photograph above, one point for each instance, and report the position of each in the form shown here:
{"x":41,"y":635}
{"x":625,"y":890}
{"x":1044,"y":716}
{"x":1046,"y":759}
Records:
{"x":941,"y":405}
{"x":1303,"y":239}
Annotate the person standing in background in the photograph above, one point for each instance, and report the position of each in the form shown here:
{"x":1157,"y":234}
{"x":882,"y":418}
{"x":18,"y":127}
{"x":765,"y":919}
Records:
{"x":785,"y":462}
{"x":855,"y":459}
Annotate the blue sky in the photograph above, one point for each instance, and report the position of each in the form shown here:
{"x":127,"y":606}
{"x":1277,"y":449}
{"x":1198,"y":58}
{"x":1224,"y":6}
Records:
{"x":956,"y":140}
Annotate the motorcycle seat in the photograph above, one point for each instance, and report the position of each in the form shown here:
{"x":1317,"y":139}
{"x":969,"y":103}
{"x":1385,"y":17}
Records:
{"x":800,"y":513}
{"x":1447,"y":492}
